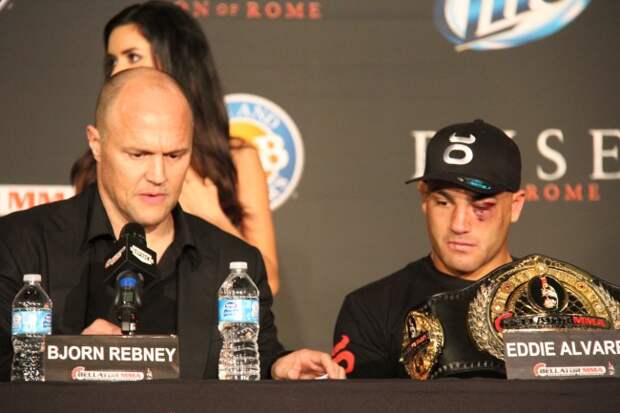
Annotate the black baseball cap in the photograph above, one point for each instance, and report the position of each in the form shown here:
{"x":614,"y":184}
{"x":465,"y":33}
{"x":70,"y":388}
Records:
{"x":476,"y":156}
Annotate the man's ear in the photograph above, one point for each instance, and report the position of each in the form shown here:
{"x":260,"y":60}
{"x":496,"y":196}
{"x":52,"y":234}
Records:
{"x":423,"y":189}
{"x":518,"y":200}
{"x":94,"y":141}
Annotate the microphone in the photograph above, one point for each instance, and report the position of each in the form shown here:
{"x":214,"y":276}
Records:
{"x":129,"y":267}
{"x":128,"y":300}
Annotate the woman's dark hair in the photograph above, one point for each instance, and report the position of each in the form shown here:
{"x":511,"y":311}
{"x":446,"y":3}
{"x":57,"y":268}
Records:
{"x":180,"y":48}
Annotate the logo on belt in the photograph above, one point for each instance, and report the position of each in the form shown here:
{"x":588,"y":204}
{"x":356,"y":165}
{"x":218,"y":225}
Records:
{"x":538,"y":293}
{"x":423,"y":340}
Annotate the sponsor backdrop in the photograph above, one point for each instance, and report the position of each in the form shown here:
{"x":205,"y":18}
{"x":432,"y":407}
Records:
{"x":341,"y":97}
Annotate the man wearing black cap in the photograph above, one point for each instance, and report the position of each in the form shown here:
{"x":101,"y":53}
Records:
{"x":470,"y":196}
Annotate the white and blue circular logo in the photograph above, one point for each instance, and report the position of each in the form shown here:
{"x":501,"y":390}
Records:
{"x":499,"y":24}
{"x":271,"y":130}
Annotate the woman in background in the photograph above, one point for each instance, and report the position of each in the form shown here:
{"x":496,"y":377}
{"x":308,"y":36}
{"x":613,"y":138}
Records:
{"x":225,"y":184}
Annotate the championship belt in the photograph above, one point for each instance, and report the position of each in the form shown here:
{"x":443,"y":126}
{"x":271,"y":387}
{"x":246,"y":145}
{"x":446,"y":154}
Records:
{"x":461,"y":332}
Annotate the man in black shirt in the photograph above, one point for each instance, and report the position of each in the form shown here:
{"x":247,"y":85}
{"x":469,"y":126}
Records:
{"x":470,"y":196}
{"x":142,"y":143}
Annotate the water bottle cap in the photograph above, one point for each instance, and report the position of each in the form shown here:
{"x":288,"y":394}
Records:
{"x":238,"y":265}
{"x":32,"y":278}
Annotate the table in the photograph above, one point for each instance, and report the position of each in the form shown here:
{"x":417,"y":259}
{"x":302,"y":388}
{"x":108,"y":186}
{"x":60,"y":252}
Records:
{"x":384,"y":396}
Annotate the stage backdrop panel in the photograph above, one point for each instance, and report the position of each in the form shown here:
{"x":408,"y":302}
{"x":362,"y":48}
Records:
{"x":356,"y":87}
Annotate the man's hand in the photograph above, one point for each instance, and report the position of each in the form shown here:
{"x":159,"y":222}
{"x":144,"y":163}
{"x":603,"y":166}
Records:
{"x":306,"y":364}
{"x":101,"y":327}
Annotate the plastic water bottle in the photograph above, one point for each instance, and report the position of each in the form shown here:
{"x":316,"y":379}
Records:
{"x":238,"y":324}
{"x":32,"y":321}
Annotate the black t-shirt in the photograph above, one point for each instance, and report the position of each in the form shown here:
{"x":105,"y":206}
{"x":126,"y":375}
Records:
{"x":368,"y":333}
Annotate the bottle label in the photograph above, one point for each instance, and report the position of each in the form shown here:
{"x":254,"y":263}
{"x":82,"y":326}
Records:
{"x":37,"y":321}
{"x":238,"y":310}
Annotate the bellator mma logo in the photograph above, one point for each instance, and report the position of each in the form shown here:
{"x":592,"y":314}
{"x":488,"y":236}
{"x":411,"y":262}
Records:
{"x":605,"y":165}
{"x":19,"y":197}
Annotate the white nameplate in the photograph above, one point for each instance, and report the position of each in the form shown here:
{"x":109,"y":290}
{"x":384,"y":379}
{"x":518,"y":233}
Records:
{"x":111,"y":358}
{"x":562,"y":354}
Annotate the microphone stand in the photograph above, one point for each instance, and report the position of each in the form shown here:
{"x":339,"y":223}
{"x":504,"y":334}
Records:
{"x":128,"y":301}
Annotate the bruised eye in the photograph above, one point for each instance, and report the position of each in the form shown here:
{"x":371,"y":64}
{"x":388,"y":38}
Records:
{"x":484,"y":205}
{"x":483,"y":209}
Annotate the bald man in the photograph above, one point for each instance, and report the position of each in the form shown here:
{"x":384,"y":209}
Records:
{"x":142,"y":142}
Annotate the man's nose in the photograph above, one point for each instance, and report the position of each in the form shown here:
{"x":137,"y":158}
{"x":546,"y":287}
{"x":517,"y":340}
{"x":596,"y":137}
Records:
{"x":460,"y":221}
{"x":156,"y":172}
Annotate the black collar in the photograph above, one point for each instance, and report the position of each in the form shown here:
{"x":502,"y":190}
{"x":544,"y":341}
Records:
{"x":183,"y":235}
{"x":98,"y":225}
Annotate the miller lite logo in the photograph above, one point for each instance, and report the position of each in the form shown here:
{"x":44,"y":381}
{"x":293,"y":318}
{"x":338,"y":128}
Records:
{"x":268,"y":128}
{"x":499,"y":24}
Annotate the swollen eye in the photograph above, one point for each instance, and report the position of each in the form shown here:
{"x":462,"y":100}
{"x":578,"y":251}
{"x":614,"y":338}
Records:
{"x":484,"y":205}
{"x":482,"y":212}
